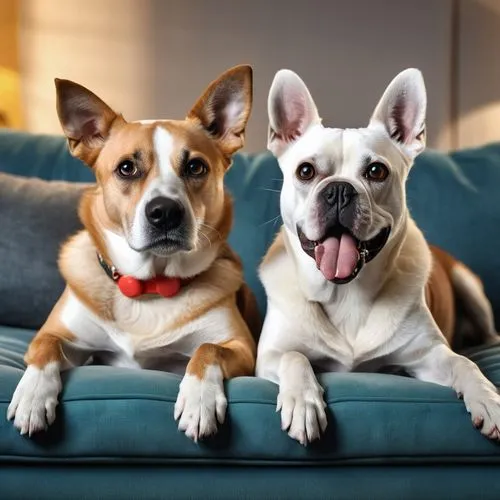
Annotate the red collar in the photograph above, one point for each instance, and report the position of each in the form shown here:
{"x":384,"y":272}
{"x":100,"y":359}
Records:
{"x":132,"y":287}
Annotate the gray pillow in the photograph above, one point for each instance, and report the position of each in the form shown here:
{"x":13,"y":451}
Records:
{"x":36,"y":217}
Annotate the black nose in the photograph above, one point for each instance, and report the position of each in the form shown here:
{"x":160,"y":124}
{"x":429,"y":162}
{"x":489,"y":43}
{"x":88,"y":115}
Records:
{"x":339,"y":194}
{"x":164,"y":213}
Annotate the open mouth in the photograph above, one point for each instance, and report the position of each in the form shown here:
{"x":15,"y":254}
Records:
{"x":339,"y":255}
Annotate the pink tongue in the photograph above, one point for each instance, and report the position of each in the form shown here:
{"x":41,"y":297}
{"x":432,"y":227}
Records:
{"x":337,"y":259}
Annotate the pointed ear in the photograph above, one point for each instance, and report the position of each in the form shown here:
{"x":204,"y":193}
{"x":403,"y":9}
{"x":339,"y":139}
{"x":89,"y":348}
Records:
{"x":224,"y":108}
{"x":291,"y":111}
{"x":85,"y":119}
{"x":401,"y":111}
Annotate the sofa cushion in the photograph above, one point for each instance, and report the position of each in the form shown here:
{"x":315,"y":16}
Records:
{"x":454,"y":199}
{"x":110,"y":414}
{"x":36,"y":216}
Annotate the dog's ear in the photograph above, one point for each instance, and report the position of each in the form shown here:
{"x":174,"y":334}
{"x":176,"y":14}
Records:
{"x":224,"y":108}
{"x":291,"y":111}
{"x":401,"y":111}
{"x":85,"y":119}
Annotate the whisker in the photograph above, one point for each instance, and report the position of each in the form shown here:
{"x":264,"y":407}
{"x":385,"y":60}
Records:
{"x":269,"y":189}
{"x":206,"y":237}
{"x":211,"y":228}
{"x":274,"y":219}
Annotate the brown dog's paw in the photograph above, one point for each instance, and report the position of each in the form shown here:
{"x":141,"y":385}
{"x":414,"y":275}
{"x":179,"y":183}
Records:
{"x":201,"y":404}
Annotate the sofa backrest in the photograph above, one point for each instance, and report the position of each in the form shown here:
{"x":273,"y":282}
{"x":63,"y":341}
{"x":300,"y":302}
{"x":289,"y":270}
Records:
{"x":453,"y":198}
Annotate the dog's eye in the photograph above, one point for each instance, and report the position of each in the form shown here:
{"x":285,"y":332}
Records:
{"x":376,"y":172}
{"x":196,"y":168}
{"x":305,"y":172}
{"x":127,"y":170}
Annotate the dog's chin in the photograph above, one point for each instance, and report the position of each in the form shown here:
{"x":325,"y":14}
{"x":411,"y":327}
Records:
{"x":339,"y":254}
{"x":165,"y":247}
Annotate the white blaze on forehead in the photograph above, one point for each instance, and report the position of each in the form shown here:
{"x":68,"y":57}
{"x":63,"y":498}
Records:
{"x":145,"y":122}
{"x":163,"y":146}
{"x":163,"y":143}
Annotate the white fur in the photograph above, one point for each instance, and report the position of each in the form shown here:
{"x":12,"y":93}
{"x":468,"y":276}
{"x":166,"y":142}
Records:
{"x":300,"y":399}
{"x":33,"y":405}
{"x":163,"y":142}
{"x":144,"y":265}
{"x":143,"y":326}
{"x":201,"y":403}
{"x":126,"y":259}
{"x":380,"y":318}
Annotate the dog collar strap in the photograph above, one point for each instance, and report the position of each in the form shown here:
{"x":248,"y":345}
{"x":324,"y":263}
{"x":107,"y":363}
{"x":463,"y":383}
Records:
{"x":132,"y":287}
{"x":370,"y":249}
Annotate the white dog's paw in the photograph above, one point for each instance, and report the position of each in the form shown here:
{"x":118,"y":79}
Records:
{"x":201,"y":404}
{"x":303,"y":411}
{"x":484,"y":408}
{"x":33,"y":405}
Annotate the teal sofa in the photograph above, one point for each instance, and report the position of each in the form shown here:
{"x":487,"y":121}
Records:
{"x":388,"y":436}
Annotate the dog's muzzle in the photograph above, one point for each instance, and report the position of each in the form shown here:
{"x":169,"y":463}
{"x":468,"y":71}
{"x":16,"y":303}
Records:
{"x":167,"y":227}
{"x":339,"y":254}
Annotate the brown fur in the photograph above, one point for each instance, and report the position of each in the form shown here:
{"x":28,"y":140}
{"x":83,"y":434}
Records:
{"x":47,"y":344}
{"x":439,"y":291}
{"x":247,"y":305}
{"x":235,"y":357}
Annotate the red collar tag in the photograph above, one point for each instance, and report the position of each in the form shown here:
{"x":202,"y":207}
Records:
{"x":161,"y":285}
{"x":132,"y":287}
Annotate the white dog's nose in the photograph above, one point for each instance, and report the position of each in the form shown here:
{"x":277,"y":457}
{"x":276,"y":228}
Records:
{"x":339,"y":193}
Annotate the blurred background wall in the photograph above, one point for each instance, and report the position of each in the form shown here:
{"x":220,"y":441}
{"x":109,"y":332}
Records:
{"x":10,"y":87}
{"x":152,"y":58}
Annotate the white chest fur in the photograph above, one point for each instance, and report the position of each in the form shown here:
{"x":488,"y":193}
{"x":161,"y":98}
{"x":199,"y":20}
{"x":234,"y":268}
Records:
{"x":149,"y":328}
{"x":347,"y":325}
{"x":145,"y":333}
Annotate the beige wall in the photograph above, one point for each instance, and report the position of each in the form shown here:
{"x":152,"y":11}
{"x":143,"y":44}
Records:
{"x":152,"y":58}
{"x":479,"y":72}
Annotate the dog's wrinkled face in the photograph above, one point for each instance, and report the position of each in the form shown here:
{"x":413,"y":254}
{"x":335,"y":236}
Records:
{"x":343,"y":190}
{"x":160,"y":183}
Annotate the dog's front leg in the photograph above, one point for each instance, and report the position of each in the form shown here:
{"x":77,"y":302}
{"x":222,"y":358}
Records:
{"x":201,"y":402}
{"x":34,"y":402}
{"x":300,"y":397}
{"x":429,"y":358}
{"x":33,"y":405}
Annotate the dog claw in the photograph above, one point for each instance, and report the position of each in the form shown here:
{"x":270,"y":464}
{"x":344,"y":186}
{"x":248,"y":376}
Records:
{"x":478,"y":422}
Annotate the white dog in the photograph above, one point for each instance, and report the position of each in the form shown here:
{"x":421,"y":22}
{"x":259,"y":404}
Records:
{"x":347,"y":277}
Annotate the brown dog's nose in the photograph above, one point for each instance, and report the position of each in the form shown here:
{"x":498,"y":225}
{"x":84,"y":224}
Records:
{"x":164,"y":213}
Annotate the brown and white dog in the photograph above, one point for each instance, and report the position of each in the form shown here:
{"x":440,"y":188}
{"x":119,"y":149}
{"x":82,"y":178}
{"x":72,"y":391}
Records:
{"x":151,"y":280}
